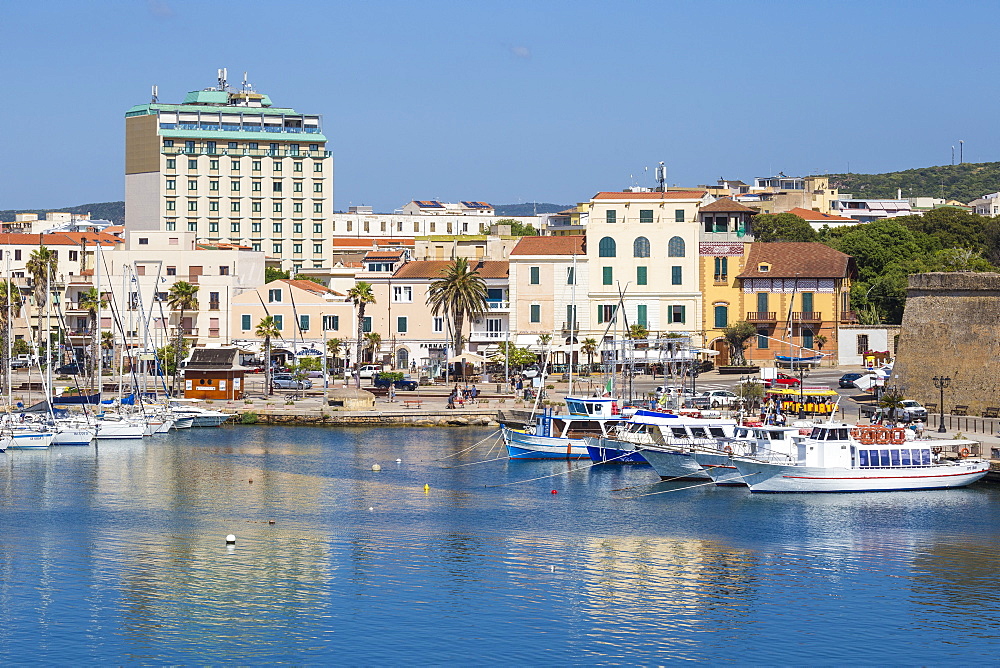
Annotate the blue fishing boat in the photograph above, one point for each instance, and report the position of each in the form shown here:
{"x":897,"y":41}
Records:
{"x":788,"y":359}
{"x":561,"y":435}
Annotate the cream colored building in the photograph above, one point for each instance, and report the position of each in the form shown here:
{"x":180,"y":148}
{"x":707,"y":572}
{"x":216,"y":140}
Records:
{"x":229,"y":167}
{"x":642,"y":251}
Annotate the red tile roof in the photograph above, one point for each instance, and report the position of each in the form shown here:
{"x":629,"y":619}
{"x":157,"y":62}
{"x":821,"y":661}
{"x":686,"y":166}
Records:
{"x":311,"y":286}
{"x":385,"y":256}
{"x":797,"y":259}
{"x":59,"y":239}
{"x":726,"y":205}
{"x":434,"y":268}
{"x":817,"y":216}
{"x":670,"y":194}
{"x":571,"y":244}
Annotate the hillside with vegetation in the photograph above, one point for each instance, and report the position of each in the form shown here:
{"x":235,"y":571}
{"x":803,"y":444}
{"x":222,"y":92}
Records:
{"x":113,"y":211}
{"x":964,"y":182}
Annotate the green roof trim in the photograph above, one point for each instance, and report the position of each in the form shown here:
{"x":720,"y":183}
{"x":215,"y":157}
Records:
{"x":151,"y":108}
{"x":207,"y":97}
{"x":261,"y":137}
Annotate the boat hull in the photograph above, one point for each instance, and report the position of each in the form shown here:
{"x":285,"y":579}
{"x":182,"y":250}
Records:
{"x":528,"y":446}
{"x":720,"y":468}
{"x":766,"y":477}
{"x":675,"y":464}
{"x":210,"y":420}
{"x":610,"y":451}
{"x":30,"y":441}
{"x":73,"y":436}
{"x":119,"y":431}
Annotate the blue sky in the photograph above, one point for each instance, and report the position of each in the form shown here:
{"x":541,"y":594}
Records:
{"x":511,"y":101}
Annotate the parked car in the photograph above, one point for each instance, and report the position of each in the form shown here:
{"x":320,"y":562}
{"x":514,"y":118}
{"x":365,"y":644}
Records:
{"x":847,"y":380}
{"x":406,"y":383}
{"x":69,"y":369}
{"x":908,"y":411}
{"x":782,"y":380}
{"x":663,"y":390}
{"x":19,"y":364}
{"x":286,"y":381}
{"x":715,"y":399}
{"x":369,"y":370}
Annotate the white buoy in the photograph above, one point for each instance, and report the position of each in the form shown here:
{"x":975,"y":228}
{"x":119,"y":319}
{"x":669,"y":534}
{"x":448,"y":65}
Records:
{"x":376,"y":467}
{"x":399,"y":461}
{"x":230,"y":539}
{"x":370,"y":508}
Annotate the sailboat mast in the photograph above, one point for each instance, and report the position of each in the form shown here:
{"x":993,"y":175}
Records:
{"x":572,"y":326}
{"x":97,"y":326}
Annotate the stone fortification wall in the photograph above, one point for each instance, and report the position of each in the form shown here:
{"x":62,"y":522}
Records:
{"x":951,"y":327}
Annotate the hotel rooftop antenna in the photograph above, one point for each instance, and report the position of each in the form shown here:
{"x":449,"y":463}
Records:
{"x":156,"y":94}
{"x":223,"y":75}
{"x":661,"y":176}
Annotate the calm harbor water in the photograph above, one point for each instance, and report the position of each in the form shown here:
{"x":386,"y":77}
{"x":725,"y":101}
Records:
{"x":116,"y":554}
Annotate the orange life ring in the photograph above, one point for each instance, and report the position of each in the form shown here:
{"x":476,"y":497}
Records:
{"x":882,"y":436}
{"x":898,"y":436}
{"x":728,"y":449}
{"x":867,"y":437}
{"x":855,"y":433}
{"x":964,"y":453}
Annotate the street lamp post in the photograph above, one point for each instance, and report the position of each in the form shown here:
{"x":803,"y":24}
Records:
{"x":941,"y":382}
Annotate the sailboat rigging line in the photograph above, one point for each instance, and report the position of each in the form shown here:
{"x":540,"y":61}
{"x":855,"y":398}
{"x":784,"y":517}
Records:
{"x":625,"y":337}
{"x":485,"y":461}
{"x":646,"y":484}
{"x":117,"y":320}
{"x":578,"y":468}
{"x":61,"y":319}
{"x":455,"y":454}
{"x":681,"y":489}
{"x":680,"y":477}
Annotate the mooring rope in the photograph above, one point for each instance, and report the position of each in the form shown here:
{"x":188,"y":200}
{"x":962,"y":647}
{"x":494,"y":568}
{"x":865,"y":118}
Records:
{"x":455,"y":454}
{"x":681,"y":489}
{"x":579,"y":468}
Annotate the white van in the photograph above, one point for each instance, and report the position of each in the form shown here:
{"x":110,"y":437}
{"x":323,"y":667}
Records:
{"x":369,"y":370}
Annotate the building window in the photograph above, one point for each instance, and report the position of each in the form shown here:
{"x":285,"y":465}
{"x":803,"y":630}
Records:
{"x":171,"y":271}
{"x":640,"y":276}
{"x":224,"y":270}
{"x":762,"y":340}
{"x":608,"y":276}
{"x":171,"y":163}
{"x":276,"y":249}
{"x":171,"y":205}
{"x":317,"y":249}
{"x":331,"y":322}
{"x":192,"y":184}
{"x":675,"y":247}
{"x":676,"y":275}
{"x":279,"y":321}
{"x":193,"y":164}
{"x":606,"y":313}
{"x":192,"y":205}
{"x":721,"y":316}
{"x":171,"y":184}
{"x":192,"y":226}
{"x":610,"y":215}
{"x":245,"y":323}
{"x":438,"y":325}
{"x":862,"y":344}
{"x":73,"y":257}
{"x":297,"y":187}
{"x":296,"y":228}
{"x":213,"y":205}
{"x":535,"y":276}
{"x":570,"y":276}
{"x":277,"y":166}
{"x":721,"y":269}
{"x":401,"y":324}
{"x":255,"y":186}
{"x":234,"y":186}
{"x":213,"y":301}
{"x":171,"y":226}
{"x":276,"y":187}
{"x":318,"y":167}
{"x":640,"y":247}
{"x":213,"y":227}
{"x":366,"y":324}
{"x":676,"y":314}
{"x":274,"y":296}
{"x":213,"y":185}
{"x":762,"y":302}
{"x":255,"y":246}
{"x":645,"y":215}
{"x":640,"y":315}
{"x":317,"y":187}
{"x":722,"y":223}
{"x":213,"y":164}
{"x":296,"y":166}
{"x":807,"y":338}
{"x":318,"y":208}
{"x":536,"y":313}
{"x":402,"y":294}
{"x":168,"y":142}
{"x":304,"y":323}
{"x":143,"y":241}
{"x":807,"y":302}
{"x":235,"y":166}
{"x":678,"y":215}
{"x":606,"y":248}
{"x":276,"y":228}
{"x":317,"y":228}
{"x":255,"y":166}
{"x":255,"y":208}
{"x":297,"y":249}
{"x":234,"y":207}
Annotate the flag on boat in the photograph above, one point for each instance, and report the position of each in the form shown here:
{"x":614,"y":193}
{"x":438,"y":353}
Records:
{"x":607,"y":388}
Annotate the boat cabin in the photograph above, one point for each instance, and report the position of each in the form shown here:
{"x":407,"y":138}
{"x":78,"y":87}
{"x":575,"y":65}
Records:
{"x":588,"y":416}
{"x":766,"y":439}
{"x":667,"y":430}
{"x":594,"y":407}
{"x":834,"y":445}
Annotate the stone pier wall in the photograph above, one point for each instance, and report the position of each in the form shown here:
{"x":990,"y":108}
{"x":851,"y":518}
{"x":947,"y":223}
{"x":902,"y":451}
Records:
{"x":951,"y":327}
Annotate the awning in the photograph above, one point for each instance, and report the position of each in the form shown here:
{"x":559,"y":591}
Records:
{"x":470,"y":358}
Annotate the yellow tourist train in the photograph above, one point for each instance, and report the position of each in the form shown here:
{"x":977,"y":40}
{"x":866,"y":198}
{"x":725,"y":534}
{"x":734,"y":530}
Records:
{"x":808,"y":400}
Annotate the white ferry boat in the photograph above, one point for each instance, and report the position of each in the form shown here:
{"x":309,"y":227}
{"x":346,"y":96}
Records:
{"x":755,"y":441}
{"x":842,"y":458}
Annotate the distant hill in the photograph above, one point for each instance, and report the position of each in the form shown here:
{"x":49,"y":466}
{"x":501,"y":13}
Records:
{"x":113,"y":211}
{"x":529,"y":209}
{"x":962,"y":182}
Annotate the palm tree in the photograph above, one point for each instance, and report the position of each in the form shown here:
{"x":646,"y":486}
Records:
{"x":267,"y":329}
{"x":589,"y":348}
{"x":373,"y":341}
{"x":182,"y":297}
{"x":10,"y":308}
{"x":91,"y":302}
{"x":637,"y":332}
{"x":41,"y":265}
{"x":459,"y":293}
{"x":361,"y":296}
{"x":737,"y":337}
{"x":108,"y":343}
{"x":333,"y":347}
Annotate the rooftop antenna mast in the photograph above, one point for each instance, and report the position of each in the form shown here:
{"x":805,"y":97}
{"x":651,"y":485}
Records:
{"x":661,"y":176}
{"x":223,"y":75}
{"x":156,"y":95}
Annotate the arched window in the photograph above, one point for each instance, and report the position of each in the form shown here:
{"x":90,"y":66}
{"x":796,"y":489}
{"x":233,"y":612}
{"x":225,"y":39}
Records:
{"x":640,"y":247}
{"x":721,"y":316}
{"x":402,"y":358}
{"x":607,"y":247}
{"x":675,"y":247}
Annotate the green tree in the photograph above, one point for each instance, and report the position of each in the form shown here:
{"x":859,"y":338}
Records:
{"x":306,"y":277}
{"x":589,"y":348}
{"x":41,"y":266}
{"x":182,"y":297}
{"x":333,"y":347}
{"x":373,"y":341}
{"x":108,"y":343}
{"x":459,"y":293}
{"x":273,"y":274}
{"x":91,"y":302}
{"x":953,"y":228}
{"x":170,"y":359}
{"x":517,"y":228}
{"x":637,"y":332}
{"x":514,"y":356}
{"x":768,"y":227}
{"x":361,"y":296}
{"x":737,"y":336}
{"x":267,"y":329}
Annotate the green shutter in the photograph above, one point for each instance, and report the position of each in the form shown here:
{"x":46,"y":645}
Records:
{"x":678,"y":215}
{"x":762,"y":302}
{"x":721,"y":316}
{"x":676,"y":275}
{"x":640,"y":275}
{"x":536,"y":313}
{"x":683,"y":314}
{"x":401,"y":324}
{"x":534,"y":276}
{"x":640,"y":315}
{"x":246,"y":322}
{"x":608,"y":276}
{"x":279,"y":321}
{"x":600,"y":314}
{"x":807,"y":302}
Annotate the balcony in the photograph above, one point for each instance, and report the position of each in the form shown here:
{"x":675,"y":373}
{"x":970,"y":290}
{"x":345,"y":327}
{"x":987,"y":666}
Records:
{"x":571,"y":327}
{"x":807,"y":316}
{"x":762,"y":316}
{"x":498,"y":304}
{"x":244,"y":152}
{"x":849,"y":316}
{"x":478,"y":337}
